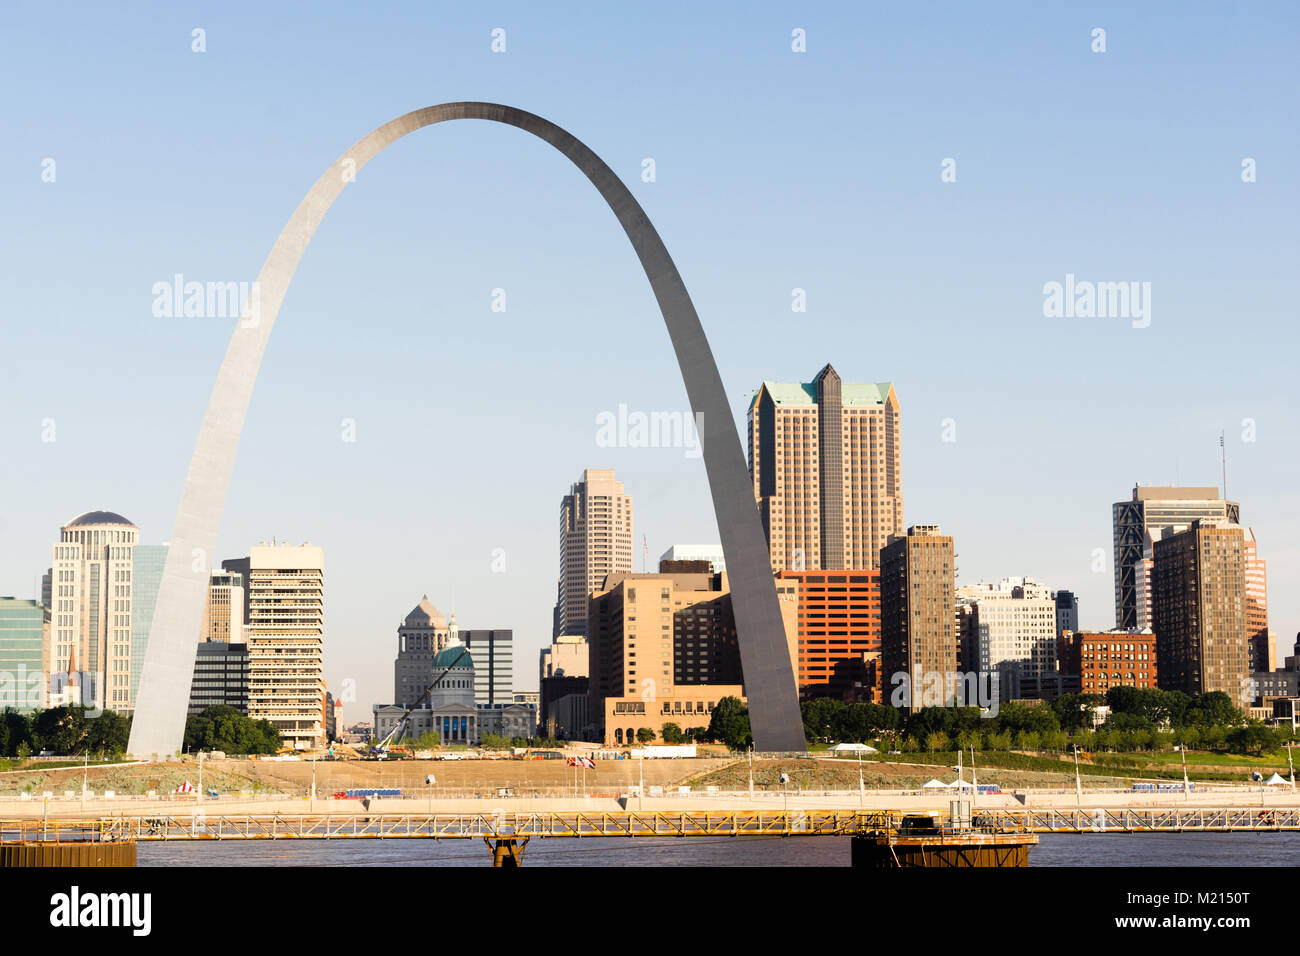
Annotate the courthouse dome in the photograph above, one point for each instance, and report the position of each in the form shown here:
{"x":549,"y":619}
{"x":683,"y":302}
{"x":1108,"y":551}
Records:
{"x":448,"y":656}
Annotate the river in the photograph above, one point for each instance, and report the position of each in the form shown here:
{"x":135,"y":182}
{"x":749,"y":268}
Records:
{"x":1053,"y":850}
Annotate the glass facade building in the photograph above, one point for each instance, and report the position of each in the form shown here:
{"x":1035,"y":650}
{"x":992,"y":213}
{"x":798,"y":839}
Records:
{"x":147,"y":578}
{"x":22,"y":639}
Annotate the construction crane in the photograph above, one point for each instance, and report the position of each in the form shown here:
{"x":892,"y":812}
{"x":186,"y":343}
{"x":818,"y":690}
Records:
{"x":380,"y":750}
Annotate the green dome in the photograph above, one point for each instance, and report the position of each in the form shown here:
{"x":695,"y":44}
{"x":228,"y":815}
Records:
{"x":448,"y":656}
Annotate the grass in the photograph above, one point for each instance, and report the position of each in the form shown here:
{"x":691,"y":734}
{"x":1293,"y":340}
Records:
{"x":1130,"y":765}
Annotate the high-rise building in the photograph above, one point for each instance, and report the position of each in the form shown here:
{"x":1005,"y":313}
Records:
{"x":24,"y":639}
{"x":663,"y":649}
{"x":91,"y":595}
{"x":826,"y":461}
{"x":1067,"y":611}
{"x":47,"y":586}
{"x":918,"y":629}
{"x":1263,"y":655}
{"x":147,"y":579}
{"x":1199,"y":591}
{"x":1015,"y":622}
{"x":595,"y":541}
{"x":711,"y":553}
{"x":494,"y":667}
{"x":220,"y":676}
{"x":420,"y":637}
{"x":286,"y":623}
{"x":1138,"y":523}
{"x":562,"y":676}
{"x":839,"y":633}
{"x":223,"y":614}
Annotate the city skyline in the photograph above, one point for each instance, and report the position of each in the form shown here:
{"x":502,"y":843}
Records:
{"x":1024,"y":488}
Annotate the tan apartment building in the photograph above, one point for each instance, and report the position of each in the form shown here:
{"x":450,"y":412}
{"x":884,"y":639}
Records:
{"x":1199,"y":610}
{"x":663,"y":648}
{"x":825,"y":458}
{"x":1263,"y":651}
{"x":285,"y":633}
{"x":91,"y":591}
{"x":918,"y":625}
{"x":223,"y":614}
{"x":595,"y":541}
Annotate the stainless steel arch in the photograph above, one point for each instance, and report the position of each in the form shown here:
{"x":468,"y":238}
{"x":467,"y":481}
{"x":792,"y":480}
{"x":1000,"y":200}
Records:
{"x":158,"y":726}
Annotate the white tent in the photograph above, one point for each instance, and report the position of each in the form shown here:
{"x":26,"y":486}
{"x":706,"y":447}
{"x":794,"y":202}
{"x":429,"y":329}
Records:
{"x":962,"y":785}
{"x":1275,"y":780}
{"x":935,"y":783}
{"x":854,"y":748}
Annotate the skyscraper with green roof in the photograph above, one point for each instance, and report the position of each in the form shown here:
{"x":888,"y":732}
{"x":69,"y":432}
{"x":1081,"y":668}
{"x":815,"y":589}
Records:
{"x":826,"y":460}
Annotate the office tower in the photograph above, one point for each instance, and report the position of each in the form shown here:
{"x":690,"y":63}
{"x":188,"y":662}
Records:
{"x":223,"y":614}
{"x":1263,"y":655}
{"x":1199,"y":592}
{"x":220,"y":676}
{"x":663,"y":649}
{"x":562,"y":687}
{"x":1015,"y":622}
{"x":711,"y":553}
{"x":494,"y":667}
{"x":1105,"y":659}
{"x":91,"y":585}
{"x":1138,"y":523}
{"x":826,"y":461}
{"x":420,"y":637}
{"x":595,"y":540}
{"x":839,"y":633}
{"x":24,"y":643}
{"x":286,"y":622}
{"x":147,"y":579}
{"x":918,"y":629}
{"x":1067,"y":611}
{"x":47,"y":587}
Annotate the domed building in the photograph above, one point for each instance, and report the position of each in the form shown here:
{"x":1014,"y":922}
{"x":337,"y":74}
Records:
{"x":449,"y":709}
{"x":91,"y":600}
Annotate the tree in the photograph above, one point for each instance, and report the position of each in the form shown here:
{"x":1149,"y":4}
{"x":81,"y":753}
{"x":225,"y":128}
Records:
{"x":820,"y":717}
{"x":936,"y":742}
{"x":645,"y":735}
{"x":698,"y":734}
{"x":108,"y":734}
{"x":672,"y":734}
{"x":1214,"y":709}
{"x":60,"y":729}
{"x":226,"y":729}
{"x":15,"y":730}
{"x":730,"y":724}
{"x":1254,"y":738}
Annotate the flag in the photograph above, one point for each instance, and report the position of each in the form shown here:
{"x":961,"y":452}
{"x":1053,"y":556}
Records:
{"x":587,"y":763}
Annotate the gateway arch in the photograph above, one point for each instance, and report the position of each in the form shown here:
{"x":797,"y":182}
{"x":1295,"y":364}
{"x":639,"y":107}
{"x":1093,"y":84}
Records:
{"x":163,"y":698}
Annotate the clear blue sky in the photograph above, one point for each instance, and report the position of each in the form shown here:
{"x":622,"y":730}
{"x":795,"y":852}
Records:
{"x":775,"y":170}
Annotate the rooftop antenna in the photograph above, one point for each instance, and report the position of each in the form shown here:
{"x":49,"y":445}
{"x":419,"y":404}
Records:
{"x":1223,"y":452}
